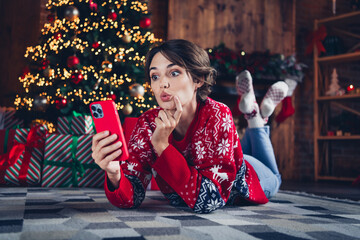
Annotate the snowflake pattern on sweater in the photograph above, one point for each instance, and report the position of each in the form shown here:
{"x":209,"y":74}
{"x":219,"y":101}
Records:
{"x":201,"y":170}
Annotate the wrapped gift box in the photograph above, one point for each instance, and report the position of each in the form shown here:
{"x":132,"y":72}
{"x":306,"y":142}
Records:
{"x":75,"y":125}
{"x":8,"y":119}
{"x":68,"y":162}
{"x":6,"y":140}
{"x":21,"y":165}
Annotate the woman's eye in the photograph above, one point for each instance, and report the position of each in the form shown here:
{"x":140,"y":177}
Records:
{"x":175,"y":73}
{"x":154,"y":77}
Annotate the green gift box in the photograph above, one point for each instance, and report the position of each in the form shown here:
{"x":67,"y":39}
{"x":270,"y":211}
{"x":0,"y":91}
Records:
{"x":68,"y":162}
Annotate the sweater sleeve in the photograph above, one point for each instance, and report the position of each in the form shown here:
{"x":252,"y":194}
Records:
{"x":135,"y":172}
{"x":205,"y":181}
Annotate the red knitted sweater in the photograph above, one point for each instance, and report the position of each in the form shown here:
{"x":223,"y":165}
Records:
{"x":205,"y":170}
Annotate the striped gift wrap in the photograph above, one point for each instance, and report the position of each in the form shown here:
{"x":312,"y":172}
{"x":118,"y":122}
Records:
{"x":76,"y":125}
{"x":10,"y":120}
{"x":6,"y":142}
{"x":26,"y":171}
{"x":68,"y":162}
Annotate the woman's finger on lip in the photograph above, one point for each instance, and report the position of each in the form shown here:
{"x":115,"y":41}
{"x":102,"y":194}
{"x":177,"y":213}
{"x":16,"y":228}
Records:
{"x":176,"y":99}
{"x":177,"y":103}
{"x":178,"y":108}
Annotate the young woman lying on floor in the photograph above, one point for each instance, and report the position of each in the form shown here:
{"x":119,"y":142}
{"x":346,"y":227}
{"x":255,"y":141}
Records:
{"x":189,"y":143}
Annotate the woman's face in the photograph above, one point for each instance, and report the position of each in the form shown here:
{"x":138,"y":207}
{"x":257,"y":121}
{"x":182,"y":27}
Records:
{"x":169,"y":80}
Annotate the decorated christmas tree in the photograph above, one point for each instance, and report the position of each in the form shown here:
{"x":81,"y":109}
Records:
{"x":89,"y":50}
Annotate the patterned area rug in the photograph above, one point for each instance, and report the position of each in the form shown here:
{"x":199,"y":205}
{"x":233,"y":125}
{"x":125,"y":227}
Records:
{"x":48,"y":213}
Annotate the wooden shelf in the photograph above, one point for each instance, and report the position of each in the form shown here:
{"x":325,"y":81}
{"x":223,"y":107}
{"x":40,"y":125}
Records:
{"x":338,"y":18}
{"x":336,"y":178}
{"x":346,"y":57}
{"x":344,"y":26}
{"x":352,"y":137}
{"x":343,"y":97}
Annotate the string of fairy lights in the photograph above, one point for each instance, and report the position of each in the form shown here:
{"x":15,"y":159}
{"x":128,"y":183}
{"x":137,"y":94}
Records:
{"x":62,"y":35}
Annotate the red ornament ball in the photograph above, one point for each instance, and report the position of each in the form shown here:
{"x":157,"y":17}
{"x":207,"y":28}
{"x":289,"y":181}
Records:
{"x":60,"y":103}
{"x":51,"y":17}
{"x":112,"y":15}
{"x":25,"y":71}
{"x":93,"y":6}
{"x":72,"y":61}
{"x":145,"y":22}
{"x":95,"y":45}
{"x":77,"y":77}
{"x":112,"y":97}
{"x":57,"y":36}
{"x":45,"y":62}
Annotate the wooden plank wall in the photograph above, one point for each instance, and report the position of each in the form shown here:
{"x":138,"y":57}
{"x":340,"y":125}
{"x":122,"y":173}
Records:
{"x":19,"y":28}
{"x":249,"y":25}
{"x":159,"y":21}
{"x":255,"y":25}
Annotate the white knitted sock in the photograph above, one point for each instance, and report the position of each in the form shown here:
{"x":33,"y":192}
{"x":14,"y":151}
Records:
{"x":254,"y":119}
{"x":245,"y":89}
{"x":272,"y":98}
{"x":292,"y":85}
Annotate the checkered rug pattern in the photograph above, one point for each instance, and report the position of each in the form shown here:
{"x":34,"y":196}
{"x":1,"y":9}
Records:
{"x":85,"y":213}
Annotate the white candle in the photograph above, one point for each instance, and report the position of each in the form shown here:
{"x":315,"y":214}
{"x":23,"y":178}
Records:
{"x":334,"y":6}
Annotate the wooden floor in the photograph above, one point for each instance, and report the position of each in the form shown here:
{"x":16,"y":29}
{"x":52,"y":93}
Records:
{"x":341,"y":190}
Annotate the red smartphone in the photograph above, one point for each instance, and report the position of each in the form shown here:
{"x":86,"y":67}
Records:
{"x":106,"y":118}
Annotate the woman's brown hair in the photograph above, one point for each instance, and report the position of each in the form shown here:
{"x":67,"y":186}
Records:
{"x":189,"y":56}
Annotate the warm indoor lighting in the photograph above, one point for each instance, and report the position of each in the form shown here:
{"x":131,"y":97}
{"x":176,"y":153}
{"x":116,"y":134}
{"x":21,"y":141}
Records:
{"x":63,"y":35}
{"x":350,"y":88}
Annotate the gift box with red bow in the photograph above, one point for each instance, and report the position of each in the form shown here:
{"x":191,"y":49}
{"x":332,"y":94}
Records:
{"x":68,"y":162}
{"x":20,"y":163}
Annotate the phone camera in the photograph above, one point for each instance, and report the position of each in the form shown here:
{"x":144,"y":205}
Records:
{"x":97,"y":111}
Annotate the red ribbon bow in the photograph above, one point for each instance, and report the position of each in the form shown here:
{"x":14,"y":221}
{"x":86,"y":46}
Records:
{"x":3,"y":166}
{"x":8,"y":160}
{"x":315,"y":39}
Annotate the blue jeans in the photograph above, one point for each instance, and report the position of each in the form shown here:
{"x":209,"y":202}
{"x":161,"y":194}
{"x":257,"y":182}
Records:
{"x":258,"y":151}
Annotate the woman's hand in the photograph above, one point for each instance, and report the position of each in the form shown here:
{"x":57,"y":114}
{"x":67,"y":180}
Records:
{"x":165,"y":122}
{"x":104,"y":151}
